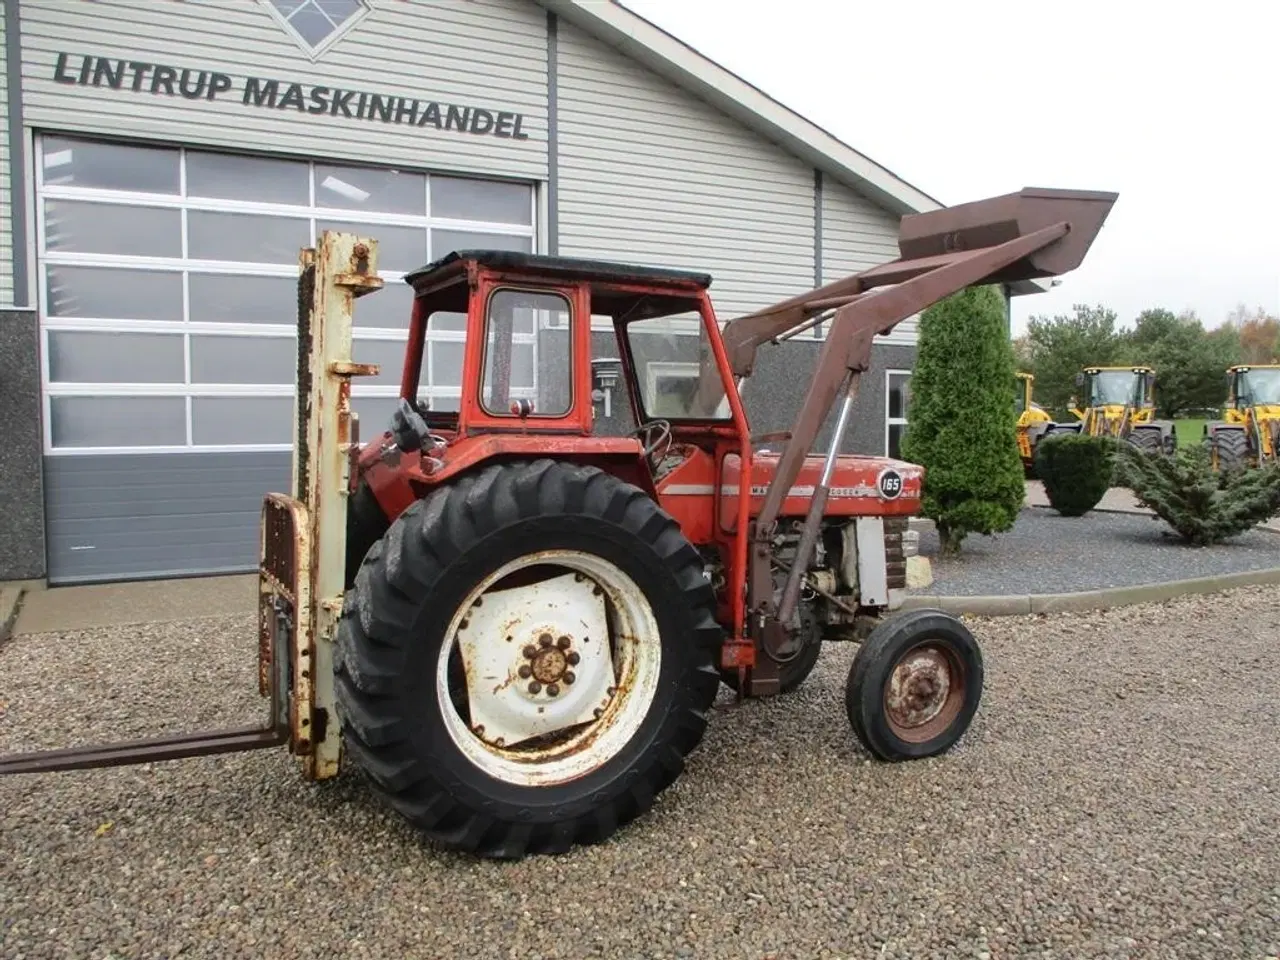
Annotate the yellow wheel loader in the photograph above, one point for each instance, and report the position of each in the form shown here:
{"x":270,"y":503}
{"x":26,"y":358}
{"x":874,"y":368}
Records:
{"x":1118,"y":402}
{"x":1248,"y":434}
{"x":1033,"y":421}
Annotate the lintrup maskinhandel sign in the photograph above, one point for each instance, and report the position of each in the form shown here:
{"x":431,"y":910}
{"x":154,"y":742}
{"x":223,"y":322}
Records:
{"x":210,"y":85}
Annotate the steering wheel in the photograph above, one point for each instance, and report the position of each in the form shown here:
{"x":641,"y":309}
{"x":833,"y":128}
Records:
{"x":663,"y":440}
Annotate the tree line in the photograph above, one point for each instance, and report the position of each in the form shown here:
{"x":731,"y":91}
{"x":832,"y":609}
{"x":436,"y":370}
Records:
{"x":1189,"y":359}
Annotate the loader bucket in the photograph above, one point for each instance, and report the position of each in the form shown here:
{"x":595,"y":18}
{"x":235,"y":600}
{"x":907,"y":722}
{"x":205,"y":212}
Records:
{"x":987,"y":223}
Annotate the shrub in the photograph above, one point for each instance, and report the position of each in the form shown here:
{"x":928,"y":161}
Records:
{"x":960,"y":423}
{"x":1076,"y":471}
{"x":1203,"y":506}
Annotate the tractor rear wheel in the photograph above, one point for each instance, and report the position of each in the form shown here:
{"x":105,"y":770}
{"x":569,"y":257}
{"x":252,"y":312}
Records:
{"x":526,"y":658}
{"x":366,"y":524}
{"x":914,"y":685}
{"x":1232,"y":448}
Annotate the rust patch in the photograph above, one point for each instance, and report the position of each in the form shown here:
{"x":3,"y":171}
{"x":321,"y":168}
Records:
{"x":924,"y":693}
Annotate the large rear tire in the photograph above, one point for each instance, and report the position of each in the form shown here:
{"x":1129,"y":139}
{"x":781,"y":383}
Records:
{"x":508,"y":708}
{"x":1147,"y":440}
{"x":1232,"y":448}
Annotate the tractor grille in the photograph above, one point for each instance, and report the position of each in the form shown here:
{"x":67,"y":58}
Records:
{"x":895,"y":556}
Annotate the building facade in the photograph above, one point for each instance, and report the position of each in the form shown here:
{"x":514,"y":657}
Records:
{"x":162,"y":162}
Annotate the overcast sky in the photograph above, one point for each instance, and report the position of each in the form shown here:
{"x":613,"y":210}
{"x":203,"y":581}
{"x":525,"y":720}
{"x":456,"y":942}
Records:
{"x":1179,"y":113}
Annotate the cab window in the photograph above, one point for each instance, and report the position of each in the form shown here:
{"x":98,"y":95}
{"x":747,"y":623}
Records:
{"x":512,"y":321}
{"x":676,"y":373}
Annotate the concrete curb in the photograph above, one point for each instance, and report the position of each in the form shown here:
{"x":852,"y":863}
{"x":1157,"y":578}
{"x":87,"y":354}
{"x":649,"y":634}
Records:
{"x":1024,"y":604}
{"x":10,"y":606}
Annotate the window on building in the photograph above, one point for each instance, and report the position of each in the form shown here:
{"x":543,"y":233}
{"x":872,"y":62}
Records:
{"x":897,"y":402}
{"x":168,"y":289}
{"x":316,"y":24}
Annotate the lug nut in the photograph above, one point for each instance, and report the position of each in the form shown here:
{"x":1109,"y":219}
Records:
{"x":563,"y":643}
{"x":525,"y":671}
{"x":530,"y":651}
{"x":573,"y":659}
{"x":569,"y":677}
{"x":552,"y":690}
{"x":535,"y":687}
{"x":545,"y":640}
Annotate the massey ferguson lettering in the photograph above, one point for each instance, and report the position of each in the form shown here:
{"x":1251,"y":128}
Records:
{"x":311,"y":100}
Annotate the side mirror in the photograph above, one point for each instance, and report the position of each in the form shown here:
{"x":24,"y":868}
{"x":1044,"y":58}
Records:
{"x":1079,"y":379}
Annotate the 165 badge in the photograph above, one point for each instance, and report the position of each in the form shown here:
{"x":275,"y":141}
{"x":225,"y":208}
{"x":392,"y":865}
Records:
{"x":889,"y":483}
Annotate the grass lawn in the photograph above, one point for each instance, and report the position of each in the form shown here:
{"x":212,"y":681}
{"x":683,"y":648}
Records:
{"x":1189,"y":431}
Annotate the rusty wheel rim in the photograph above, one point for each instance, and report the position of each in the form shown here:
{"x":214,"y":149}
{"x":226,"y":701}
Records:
{"x":924,"y":692}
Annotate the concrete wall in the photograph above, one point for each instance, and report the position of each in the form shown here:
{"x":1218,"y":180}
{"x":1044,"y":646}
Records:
{"x":22,"y":555}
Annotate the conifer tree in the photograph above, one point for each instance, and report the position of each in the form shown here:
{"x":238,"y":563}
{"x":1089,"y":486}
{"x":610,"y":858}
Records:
{"x":1203,"y":506}
{"x":960,"y":422}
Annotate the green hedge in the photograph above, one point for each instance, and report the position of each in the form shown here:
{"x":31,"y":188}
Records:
{"x":1076,"y":471}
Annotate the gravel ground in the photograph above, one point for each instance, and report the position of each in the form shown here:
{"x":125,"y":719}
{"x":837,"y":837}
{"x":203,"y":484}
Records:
{"x":1046,"y":552}
{"x":1117,"y":796}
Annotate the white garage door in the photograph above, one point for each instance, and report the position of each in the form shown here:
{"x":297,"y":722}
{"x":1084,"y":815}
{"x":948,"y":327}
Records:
{"x":168,"y":303}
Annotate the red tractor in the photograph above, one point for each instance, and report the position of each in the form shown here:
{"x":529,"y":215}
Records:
{"x":515,"y":623}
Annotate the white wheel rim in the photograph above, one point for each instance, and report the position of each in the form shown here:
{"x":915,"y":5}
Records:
{"x":572,"y":704}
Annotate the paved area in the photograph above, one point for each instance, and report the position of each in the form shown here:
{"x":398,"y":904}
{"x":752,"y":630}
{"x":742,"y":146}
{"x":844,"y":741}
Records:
{"x":100,"y":605}
{"x":1117,"y":796}
{"x":1049,"y":553}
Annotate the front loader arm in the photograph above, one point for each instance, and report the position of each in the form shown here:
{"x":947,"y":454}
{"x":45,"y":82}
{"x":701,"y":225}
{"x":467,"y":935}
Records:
{"x":1034,"y":233}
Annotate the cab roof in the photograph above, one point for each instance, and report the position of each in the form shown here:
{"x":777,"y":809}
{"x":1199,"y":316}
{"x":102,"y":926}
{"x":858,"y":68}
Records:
{"x":562,"y":268}
{"x":670,"y":291}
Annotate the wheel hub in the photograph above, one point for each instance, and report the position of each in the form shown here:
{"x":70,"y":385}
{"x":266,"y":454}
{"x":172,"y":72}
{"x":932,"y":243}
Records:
{"x":918,"y":688}
{"x":549,"y":662}
{"x":537,"y":660}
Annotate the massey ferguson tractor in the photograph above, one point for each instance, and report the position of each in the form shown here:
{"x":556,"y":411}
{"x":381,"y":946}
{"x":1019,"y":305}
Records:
{"x":514,"y":624}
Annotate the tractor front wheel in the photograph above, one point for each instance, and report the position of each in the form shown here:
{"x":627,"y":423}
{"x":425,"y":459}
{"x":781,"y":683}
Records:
{"x":526,"y":659}
{"x":914,"y":685}
{"x":1232,"y":448}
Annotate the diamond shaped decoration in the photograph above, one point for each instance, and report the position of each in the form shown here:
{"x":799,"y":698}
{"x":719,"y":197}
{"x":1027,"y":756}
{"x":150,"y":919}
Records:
{"x":315,"y":25}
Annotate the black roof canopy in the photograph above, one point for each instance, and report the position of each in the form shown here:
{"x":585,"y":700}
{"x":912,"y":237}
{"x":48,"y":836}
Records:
{"x":563,"y":268}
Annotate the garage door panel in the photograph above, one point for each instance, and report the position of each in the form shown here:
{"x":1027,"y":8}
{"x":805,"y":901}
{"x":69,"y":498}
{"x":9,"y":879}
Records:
{"x":168,"y":286}
{"x":130,"y":515}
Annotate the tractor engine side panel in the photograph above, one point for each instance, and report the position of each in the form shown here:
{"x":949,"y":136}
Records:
{"x":860,"y":487}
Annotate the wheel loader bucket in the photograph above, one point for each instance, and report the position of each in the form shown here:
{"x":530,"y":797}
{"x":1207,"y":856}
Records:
{"x":990,"y":222}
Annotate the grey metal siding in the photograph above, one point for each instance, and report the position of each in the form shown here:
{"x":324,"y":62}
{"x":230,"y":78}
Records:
{"x":132,"y":515}
{"x":489,"y":54}
{"x":648,"y":173}
{"x":857,"y":234}
{"x":6,"y":194}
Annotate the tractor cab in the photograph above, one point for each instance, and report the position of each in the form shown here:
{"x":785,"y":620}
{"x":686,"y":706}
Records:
{"x":526,"y":352}
{"x":524,"y":328}
{"x":1117,"y":386}
{"x":1254,"y":386}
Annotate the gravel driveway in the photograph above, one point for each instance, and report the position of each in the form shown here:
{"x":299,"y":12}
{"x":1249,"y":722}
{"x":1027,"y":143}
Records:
{"x":1118,"y":795}
{"x":1049,"y":553}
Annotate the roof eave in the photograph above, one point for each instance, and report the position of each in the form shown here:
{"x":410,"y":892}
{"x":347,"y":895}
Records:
{"x":670,"y":57}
